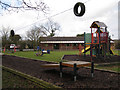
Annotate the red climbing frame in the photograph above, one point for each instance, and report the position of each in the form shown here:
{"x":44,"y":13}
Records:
{"x":103,"y":38}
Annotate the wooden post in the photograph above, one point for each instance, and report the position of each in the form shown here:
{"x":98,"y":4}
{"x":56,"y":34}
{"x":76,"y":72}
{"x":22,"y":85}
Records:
{"x":109,"y":43}
{"x":92,"y":68}
{"x":75,"y":71}
{"x":104,"y":49}
{"x":91,"y":46}
{"x":99,"y":42}
{"x":91,"y":51}
{"x":61,"y":69}
{"x":84,"y":45}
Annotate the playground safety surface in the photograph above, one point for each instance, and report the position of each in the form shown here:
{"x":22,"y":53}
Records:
{"x":109,"y":59}
{"x":101,"y":79}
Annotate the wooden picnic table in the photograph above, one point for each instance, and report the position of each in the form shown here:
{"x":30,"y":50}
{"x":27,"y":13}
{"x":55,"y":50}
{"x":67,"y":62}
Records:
{"x":78,"y":63}
{"x":74,"y":64}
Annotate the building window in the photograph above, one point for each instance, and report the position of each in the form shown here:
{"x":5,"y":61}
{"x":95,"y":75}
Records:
{"x":46,"y":45}
{"x":67,"y":44}
{"x":75,"y":44}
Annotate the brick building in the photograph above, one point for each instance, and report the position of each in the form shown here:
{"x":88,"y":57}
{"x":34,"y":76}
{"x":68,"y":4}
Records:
{"x":61,"y":43}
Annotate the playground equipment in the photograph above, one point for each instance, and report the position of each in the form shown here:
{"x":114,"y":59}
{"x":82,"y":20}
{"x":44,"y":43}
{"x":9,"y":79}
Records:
{"x":12,"y":48}
{"x":46,"y":52}
{"x":82,"y":10}
{"x":98,"y":41}
{"x":41,"y":52}
{"x":4,"y":49}
{"x":86,"y":49}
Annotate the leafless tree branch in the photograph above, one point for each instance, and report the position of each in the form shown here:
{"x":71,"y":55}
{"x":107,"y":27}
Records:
{"x":38,"y":6}
{"x":51,"y":27}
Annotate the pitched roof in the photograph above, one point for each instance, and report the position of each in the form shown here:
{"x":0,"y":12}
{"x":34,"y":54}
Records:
{"x":97,"y":24}
{"x":62,"y":38}
{"x":76,"y":42}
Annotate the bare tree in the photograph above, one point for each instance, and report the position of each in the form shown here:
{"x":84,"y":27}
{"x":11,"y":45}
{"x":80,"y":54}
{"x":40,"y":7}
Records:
{"x":34,"y":35}
{"x":17,"y":5}
{"x":5,"y":31}
{"x":50,"y":27}
{"x":5,"y":35}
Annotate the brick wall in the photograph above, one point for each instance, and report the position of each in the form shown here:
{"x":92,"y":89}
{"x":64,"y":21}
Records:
{"x":46,"y":46}
{"x":61,"y":46}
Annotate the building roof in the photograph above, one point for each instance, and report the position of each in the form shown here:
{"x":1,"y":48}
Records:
{"x":62,"y":39}
{"x":97,"y":24}
{"x":62,"y":42}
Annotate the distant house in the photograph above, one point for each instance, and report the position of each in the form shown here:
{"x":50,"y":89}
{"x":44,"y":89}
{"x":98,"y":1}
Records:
{"x":61,"y":43}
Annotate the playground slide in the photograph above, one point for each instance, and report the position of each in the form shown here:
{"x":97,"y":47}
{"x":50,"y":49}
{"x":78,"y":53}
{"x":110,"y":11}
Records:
{"x":86,"y":49}
{"x":111,"y":51}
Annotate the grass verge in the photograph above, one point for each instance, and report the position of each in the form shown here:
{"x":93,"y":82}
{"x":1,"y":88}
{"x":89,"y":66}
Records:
{"x":111,"y":67}
{"x":10,"y":80}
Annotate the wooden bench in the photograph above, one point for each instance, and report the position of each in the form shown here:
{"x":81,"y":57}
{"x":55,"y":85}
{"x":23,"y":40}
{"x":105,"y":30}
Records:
{"x":75,"y":65}
{"x":50,"y":65}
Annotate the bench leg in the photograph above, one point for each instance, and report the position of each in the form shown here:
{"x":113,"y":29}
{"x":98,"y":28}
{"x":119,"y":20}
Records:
{"x":75,"y":71}
{"x":61,"y":69}
{"x":92,"y":68}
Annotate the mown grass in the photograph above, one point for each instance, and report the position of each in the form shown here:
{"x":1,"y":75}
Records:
{"x":116,"y":52}
{"x":54,"y":56}
{"x":112,"y":67}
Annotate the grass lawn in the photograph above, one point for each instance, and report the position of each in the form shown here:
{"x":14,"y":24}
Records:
{"x":112,"y":67}
{"x":116,"y":52}
{"x":54,"y":56}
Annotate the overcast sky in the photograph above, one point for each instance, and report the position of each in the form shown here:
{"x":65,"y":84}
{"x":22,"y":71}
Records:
{"x":96,"y":10}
